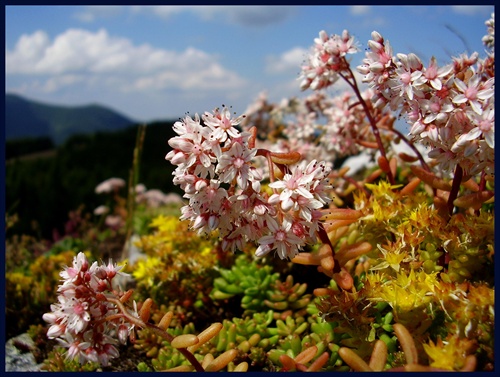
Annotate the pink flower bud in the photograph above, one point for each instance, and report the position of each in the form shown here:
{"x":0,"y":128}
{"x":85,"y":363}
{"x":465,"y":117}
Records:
{"x":377,"y":37}
{"x":55,"y":330}
{"x":375,"y":46}
{"x":376,"y":67}
{"x":123,"y":333}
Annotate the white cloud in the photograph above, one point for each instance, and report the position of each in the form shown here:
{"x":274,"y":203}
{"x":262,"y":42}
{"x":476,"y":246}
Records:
{"x":252,"y":16}
{"x":56,"y":83}
{"x":288,"y":62}
{"x":360,"y":9}
{"x":92,"y":12}
{"x":103,"y":58}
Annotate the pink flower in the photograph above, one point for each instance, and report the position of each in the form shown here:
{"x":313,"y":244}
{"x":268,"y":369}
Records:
{"x":301,"y":190}
{"x":293,"y":185}
{"x":327,"y":59}
{"x":407,"y":80}
{"x":192,"y":145}
{"x":114,"y":221}
{"x":77,"y":315}
{"x":485,"y":127}
{"x":436,"y":109}
{"x":101,"y":210}
{"x":377,"y":61}
{"x":80,"y":265}
{"x":282,"y":239}
{"x":110,"y":185}
{"x":76,"y":348}
{"x":235,"y":164}
{"x":80,"y":320}
{"x":221,"y":124}
{"x":473,"y":92}
{"x":433,"y":74}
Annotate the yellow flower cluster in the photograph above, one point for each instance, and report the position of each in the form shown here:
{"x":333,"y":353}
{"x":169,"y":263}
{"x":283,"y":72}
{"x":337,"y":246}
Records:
{"x":421,"y":270}
{"x":176,"y":262}
{"x":405,"y":292}
{"x":449,"y":354}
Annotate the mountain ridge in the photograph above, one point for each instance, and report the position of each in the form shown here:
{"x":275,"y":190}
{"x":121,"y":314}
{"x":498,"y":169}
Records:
{"x":26,"y":118}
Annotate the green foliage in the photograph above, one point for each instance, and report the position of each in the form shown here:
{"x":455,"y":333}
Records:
{"x":31,"y":290}
{"x":57,"y":362}
{"x":248,"y":279}
{"x":21,"y":147}
{"x":163,"y":356}
{"x":43,"y":191}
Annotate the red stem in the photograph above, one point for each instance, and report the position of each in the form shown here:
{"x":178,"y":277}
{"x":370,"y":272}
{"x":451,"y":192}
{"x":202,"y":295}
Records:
{"x":413,"y":148}
{"x":158,"y":331}
{"x":373,"y":124}
{"x":455,"y":186}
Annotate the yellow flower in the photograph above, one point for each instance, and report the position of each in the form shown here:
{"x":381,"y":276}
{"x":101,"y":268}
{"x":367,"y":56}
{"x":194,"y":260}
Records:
{"x":404,"y":293}
{"x":383,"y":189}
{"x":206,"y":251}
{"x":165,"y":223}
{"x":144,"y":269}
{"x":449,"y":354}
{"x":392,"y":257}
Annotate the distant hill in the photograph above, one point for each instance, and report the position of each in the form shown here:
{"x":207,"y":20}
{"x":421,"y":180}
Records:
{"x":29,"y":119}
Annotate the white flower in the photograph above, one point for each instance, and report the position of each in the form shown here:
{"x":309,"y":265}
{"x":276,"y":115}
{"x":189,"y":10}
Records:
{"x":235,"y":164}
{"x":75,"y":347}
{"x":472,"y":93}
{"x":282,"y":239}
{"x":77,"y":315}
{"x":221,"y":124}
{"x":485,"y":126}
{"x":71,"y":274}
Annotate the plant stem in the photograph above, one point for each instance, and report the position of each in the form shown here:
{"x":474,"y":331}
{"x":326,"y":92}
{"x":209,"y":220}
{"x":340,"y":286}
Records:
{"x":158,"y":331}
{"x":373,"y":124}
{"x":132,"y":183}
{"x":455,"y":186}
{"x":413,"y":148}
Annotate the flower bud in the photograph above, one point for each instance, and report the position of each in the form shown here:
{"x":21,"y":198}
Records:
{"x":123,"y":333}
{"x":375,"y":46}
{"x":363,"y":69}
{"x":111,"y":350}
{"x":55,"y":330}
{"x":100,"y":273}
{"x":91,"y":355}
{"x":377,"y":37}
{"x":102,"y":285}
{"x":49,"y":317}
{"x":345,"y":35}
{"x":376,"y":67}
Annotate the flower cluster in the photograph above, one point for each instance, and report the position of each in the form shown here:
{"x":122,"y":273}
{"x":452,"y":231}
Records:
{"x":489,"y":39}
{"x":216,"y":171}
{"x":84,"y":321}
{"x":450,"y":108}
{"x":110,"y":185}
{"x":409,"y":252}
{"x":317,"y":126}
{"x":327,"y":60}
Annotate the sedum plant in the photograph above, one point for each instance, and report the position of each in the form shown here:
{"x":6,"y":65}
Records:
{"x":405,"y":245}
{"x":172,"y":271}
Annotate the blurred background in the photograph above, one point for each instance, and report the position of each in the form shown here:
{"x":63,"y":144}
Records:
{"x":79,"y":81}
{"x":156,"y":62}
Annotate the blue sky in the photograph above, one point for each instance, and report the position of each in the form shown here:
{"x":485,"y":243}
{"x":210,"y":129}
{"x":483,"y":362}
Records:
{"x":157,"y":62}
